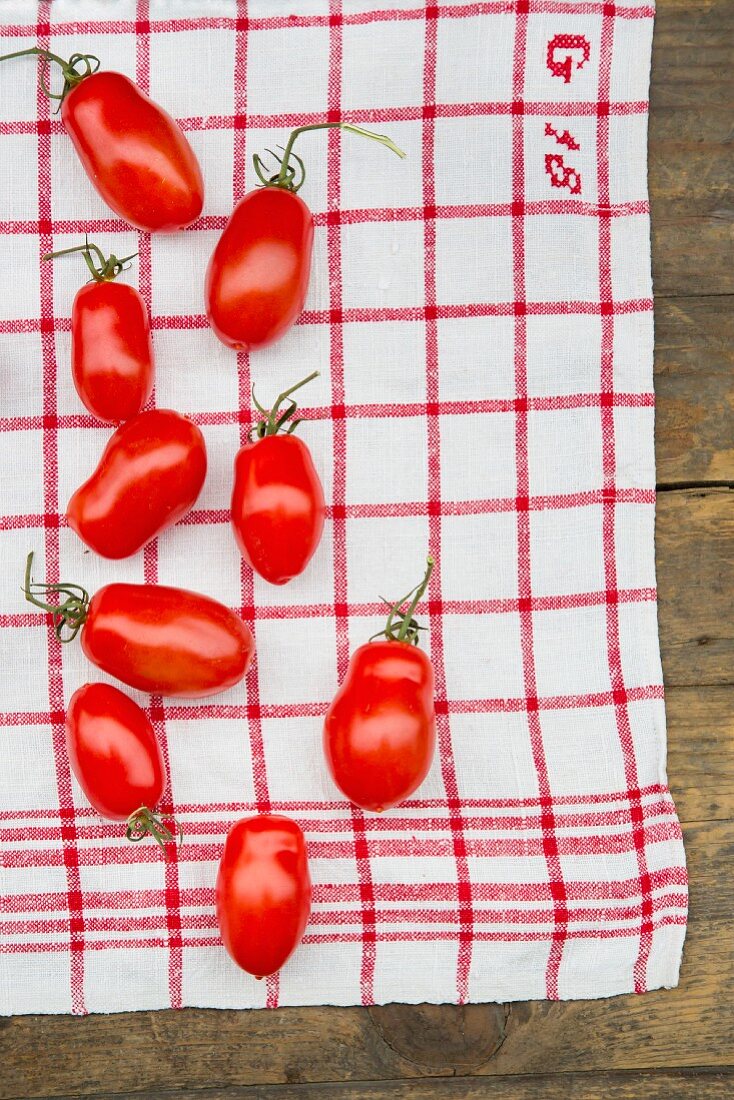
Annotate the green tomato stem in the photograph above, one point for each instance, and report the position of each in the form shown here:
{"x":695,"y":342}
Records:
{"x":109,"y":267}
{"x":68,"y":68}
{"x":70,"y":614}
{"x":273,"y":419}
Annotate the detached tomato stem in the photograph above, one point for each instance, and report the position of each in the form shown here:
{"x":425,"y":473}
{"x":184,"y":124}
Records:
{"x":68,"y":69}
{"x":69,"y":614}
{"x":144,"y":823}
{"x":109,"y":268}
{"x":286,"y":176}
{"x":401,"y":626}
{"x":274,"y":419}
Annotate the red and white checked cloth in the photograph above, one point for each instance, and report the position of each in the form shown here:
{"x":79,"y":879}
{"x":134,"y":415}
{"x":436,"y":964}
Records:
{"x":481,"y":314}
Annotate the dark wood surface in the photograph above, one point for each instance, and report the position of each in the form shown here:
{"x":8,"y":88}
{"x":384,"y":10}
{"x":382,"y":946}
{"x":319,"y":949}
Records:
{"x":664,"y":1045}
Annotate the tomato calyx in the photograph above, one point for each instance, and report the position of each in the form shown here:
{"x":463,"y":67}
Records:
{"x":290,"y":178}
{"x":109,"y":267}
{"x":273,"y":419}
{"x":401,"y":626}
{"x":143,"y":822}
{"x":69,"y":71}
{"x":69,"y":614}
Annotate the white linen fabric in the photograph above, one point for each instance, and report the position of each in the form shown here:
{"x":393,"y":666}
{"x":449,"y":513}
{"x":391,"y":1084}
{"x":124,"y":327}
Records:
{"x":481,"y":315}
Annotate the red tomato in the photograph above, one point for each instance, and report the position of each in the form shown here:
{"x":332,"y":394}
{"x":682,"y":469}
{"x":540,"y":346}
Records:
{"x":380,"y":729}
{"x":148,"y":477}
{"x":278,"y":502}
{"x":263,"y":892}
{"x":166,"y":641}
{"x":111,"y":350}
{"x":134,"y":153}
{"x":258,"y":275}
{"x":257,"y":278}
{"x":116,"y":758}
{"x":111,"y":345}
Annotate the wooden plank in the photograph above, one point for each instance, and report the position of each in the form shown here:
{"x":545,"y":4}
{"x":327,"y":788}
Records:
{"x":691,"y":100}
{"x":701,"y":751}
{"x":694,"y":1084}
{"x":692,"y":54}
{"x":694,"y":367}
{"x":194,"y":1049}
{"x":709,"y":238}
{"x":695,"y":573}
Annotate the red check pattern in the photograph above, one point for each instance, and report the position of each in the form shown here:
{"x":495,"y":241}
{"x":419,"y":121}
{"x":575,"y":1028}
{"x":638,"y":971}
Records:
{"x":485,"y":345}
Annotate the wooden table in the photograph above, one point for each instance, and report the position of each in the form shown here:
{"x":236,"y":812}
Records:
{"x":664,"y":1045}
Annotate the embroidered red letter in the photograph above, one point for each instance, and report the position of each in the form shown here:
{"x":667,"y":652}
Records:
{"x":566,"y":138}
{"x":561,"y":175}
{"x":570,"y":44}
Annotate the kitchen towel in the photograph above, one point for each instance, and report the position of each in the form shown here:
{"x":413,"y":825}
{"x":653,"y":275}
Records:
{"x":481,"y":315}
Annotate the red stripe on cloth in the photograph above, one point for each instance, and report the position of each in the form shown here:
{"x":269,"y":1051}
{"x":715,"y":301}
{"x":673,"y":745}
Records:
{"x":501,"y":705}
{"x":618,"y":842}
{"x":185,"y":322}
{"x":529,"y":820}
{"x":357,"y":216}
{"x":606,"y":290}
{"x":437,"y":935}
{"x":150,"y":571}
{"x":372,"y":511}
{"x":339,"y":445}
{"x":377,"y":410}
{"x":253,"y":713}
{"x":551,"y":850}
{"x":291,"y":119}
{"x":433,"y":426}
{"x":606,"y":913}
{"x":626,"y":890}
{"x":438,"y":607}
{"x":296,"y":21}
{"x":68,"y":834}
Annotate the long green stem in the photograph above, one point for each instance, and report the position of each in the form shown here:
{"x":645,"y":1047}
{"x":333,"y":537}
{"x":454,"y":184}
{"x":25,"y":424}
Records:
{"x":273,"y":419}
{"x":417,"y":597}
{"x":68,"y":68}
{"x":401,"y":626}
{"x":109,"y":267}
{"x":46,"y":54}
{"x":348,"y":126}
{"x":69,"y":614}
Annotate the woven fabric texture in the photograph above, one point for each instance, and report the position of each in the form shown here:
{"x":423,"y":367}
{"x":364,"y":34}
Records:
{"x":481,"y":314}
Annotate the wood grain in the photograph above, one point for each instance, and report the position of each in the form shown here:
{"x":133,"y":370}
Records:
{"x":691,"y":101}
{"x":695,"y":568}
{"x":694,"y":367}
{"x":684,"y":1085}
{"x":701,"y":752}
